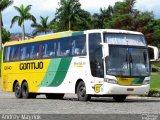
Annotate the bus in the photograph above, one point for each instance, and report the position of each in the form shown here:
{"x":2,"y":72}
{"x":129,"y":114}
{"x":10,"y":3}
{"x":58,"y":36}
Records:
{"x":91,"y":63}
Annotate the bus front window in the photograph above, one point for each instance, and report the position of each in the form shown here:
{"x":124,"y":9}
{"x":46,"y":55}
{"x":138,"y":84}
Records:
{"x":124,"y":61}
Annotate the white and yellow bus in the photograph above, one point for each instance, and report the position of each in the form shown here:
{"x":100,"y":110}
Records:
{"x":88,"y":63}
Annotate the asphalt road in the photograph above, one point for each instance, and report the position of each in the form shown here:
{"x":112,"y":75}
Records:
{"x":134,"y":108}
{"x":70,"y":105}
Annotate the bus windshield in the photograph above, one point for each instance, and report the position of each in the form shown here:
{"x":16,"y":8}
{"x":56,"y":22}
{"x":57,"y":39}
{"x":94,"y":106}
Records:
{"x":127,"y":60}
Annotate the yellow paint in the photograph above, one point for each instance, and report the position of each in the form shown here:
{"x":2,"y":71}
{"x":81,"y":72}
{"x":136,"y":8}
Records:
{"x":40,"y":38}
{"x":125,"y":81}
{"x":97,"y":88}
{"x":79,"y":64}
{"x":33,"y":77}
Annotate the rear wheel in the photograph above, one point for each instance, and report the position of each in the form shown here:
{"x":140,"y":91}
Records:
{"x":81,"y":92}
{"x":25,"y":91}
{"x":119,"y":98}
{"x":17,"y":90}
{"x":54,"y":96}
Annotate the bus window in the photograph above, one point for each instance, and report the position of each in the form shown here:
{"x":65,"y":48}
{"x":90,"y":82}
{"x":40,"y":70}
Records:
{"x":23,"y":52}
{"x":7,"y":54}
{"x":52,"y":46}
{"x":15,"y":53}
{"x":48,"y":49}
{"x":34,"y":51}
{"x":79,"y":45}
{"x":64,"y":47}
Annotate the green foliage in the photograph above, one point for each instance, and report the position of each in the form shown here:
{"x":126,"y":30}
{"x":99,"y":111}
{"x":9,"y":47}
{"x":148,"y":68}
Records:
{"x":24,"y":14}
{"x":154,"y":92}
{"x":99,"y":20}
{"x":156,"y":64}
{"x":4,"y":4}
{"x":70,"y":16}
{"x":5,"y":35}
{"x":43,"y":26}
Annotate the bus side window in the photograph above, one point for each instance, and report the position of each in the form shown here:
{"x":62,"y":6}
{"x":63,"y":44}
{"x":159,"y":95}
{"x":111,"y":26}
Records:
{"x":79,"y":45}
{"x":52,"y":49}
{"x":34,"y":52}
{"x":28,"y":48}
{"x":23,"y":52}
{"x":15,"y":53}
{"x":7,"y":54}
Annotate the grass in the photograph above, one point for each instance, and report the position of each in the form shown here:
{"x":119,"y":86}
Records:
{"x":156,"y":64}
{"x":155,"y":80}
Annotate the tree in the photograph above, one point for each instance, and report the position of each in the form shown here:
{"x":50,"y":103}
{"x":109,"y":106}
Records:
{"x":67,"y":14}
{"x":43,"y":26}
{"x":3,"y":5}
{"x":122,"y":16}
{"x":104,"y":16}
{"x":155,"y":26}
{"x":83,"y":22}
{"x":5,"y":35}
{"x":24,"y":15}
{"x":125,"y":16}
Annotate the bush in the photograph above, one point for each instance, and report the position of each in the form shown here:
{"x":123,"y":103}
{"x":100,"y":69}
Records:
{"x":154,"y":92}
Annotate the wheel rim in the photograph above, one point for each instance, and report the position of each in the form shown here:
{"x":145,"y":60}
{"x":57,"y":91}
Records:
{"x":25,"y":91}
{"x":18,"y":90}
{"x":82,"y":91}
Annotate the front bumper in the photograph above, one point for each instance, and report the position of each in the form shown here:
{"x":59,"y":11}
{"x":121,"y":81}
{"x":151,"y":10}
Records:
{"x":115,"y":89}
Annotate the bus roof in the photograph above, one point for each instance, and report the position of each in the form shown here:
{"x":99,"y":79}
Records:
{"x":46,"y":37}
{"x":69,"y":33}
{"x":113,"y":31}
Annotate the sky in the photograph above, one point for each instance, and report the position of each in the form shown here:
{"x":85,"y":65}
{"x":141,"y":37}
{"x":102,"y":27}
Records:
{"x":48,"y":8}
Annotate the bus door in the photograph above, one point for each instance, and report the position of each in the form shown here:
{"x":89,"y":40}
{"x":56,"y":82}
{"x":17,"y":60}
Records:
{"x":96,"y":60}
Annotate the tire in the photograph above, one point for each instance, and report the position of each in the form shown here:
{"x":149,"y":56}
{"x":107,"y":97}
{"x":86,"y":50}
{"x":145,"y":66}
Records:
{"x":17,"y":90}
{"x":119,"y":98}
{"x":25,"y":91}
{"x":81,"y":92}
{"x":54,"y":96}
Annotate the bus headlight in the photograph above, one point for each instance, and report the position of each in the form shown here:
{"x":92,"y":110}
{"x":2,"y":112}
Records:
{"x":145,"y":82}
{"x":110,"y":81}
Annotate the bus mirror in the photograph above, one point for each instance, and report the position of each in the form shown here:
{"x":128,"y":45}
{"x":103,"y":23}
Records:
{"x":105,"y":47}
{"x":153,"y":53}
{"x":159,"y":53}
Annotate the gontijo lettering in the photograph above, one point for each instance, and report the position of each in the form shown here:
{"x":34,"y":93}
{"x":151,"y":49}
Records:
{"x":31,"y":66}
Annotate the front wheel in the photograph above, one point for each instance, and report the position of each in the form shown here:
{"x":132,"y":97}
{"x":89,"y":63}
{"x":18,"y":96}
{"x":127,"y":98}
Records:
{"x":81,"y":92}
{"x":119,"y":98}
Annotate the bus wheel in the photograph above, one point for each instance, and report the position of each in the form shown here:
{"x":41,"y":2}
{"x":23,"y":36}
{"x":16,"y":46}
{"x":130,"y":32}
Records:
{"x":81,"y":92}
{"x":54,"y":96}
{"x":25,"y":90}
{"x":119,"y":98}
{"x":17,"y":90}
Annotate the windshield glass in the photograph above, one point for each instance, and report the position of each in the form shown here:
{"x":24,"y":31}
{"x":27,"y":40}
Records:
{"x":127,"y":61}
